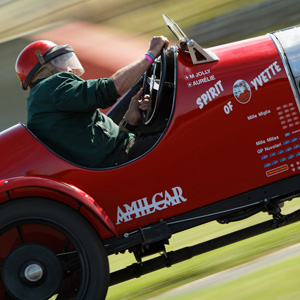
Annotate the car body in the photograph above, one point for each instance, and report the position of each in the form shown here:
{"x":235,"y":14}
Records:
{"x":230,"y":148}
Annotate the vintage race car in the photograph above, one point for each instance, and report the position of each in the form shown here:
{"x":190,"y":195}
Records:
{"x":230,"y":148}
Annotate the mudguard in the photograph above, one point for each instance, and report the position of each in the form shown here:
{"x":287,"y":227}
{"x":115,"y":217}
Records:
{"x":9,"y":184}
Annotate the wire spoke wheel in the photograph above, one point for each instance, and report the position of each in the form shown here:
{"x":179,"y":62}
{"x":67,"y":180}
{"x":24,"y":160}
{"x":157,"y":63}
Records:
{"x":48,"y":249}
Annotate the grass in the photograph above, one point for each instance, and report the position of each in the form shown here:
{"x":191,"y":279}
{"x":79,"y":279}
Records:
{"x":138,"y":17}
{"x":279,"y":280}
{"x":147,"y":16}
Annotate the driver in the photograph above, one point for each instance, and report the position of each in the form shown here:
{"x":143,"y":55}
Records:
{"x":63,"y":108}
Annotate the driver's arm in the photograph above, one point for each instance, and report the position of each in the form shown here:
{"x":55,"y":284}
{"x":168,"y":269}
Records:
{"x":125,"y":78}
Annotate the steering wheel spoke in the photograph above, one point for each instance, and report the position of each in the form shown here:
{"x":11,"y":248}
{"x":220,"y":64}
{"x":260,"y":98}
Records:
{"x":153,"y":84}
{"x":156,"y":84}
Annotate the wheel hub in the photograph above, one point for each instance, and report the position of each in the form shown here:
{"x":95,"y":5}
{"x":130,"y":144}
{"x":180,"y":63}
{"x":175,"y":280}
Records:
{"x":31,"y":271}
{"x":34,"y":272}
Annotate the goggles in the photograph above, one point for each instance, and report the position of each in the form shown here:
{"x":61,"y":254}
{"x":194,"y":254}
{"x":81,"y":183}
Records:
{"x":68,"y":61}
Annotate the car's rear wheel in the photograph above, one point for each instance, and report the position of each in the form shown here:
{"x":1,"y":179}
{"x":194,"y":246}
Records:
{"x":48,"y":249}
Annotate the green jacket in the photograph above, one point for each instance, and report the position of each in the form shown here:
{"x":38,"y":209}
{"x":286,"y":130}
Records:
{"x":63,"y":112}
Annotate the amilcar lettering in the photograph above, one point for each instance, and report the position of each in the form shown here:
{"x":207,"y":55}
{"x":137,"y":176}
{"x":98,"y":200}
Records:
{"x":143,"y":207}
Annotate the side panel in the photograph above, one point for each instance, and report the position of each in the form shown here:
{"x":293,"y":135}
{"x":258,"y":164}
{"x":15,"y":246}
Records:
{"x":246,"y":122}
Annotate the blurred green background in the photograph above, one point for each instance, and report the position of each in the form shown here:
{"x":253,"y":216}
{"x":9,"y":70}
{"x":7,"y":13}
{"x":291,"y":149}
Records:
{"x":209,"y":22}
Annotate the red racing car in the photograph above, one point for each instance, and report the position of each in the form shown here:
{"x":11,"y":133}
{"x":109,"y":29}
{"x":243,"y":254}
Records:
{"x":230,"y":149}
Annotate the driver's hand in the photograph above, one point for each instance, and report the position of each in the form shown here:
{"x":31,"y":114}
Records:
{"x":133,"y":114}
{"x":145,"y":104}
{"x":157,"y":43}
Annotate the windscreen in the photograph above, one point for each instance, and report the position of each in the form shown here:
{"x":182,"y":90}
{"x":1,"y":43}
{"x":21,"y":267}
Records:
{"x":175,"y":29}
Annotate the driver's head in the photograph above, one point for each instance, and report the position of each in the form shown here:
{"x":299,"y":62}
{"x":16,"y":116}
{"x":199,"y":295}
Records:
{"x":42,"y":59}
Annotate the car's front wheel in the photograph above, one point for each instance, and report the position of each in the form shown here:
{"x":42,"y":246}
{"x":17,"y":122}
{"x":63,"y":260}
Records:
{"x":48,"y":250}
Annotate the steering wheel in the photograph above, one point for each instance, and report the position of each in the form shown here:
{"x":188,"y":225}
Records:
{"x":153,"y":85}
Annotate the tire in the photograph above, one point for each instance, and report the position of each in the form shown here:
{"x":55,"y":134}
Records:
{"x":47,"y":249}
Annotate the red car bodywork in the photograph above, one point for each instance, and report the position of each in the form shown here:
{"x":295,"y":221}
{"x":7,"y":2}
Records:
{"x":211,"y":151}
{"x":234,"y":128}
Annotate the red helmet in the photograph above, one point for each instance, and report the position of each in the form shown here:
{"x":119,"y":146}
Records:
{"x":32,"y":57}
